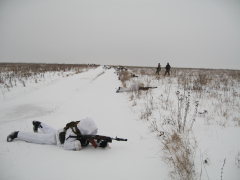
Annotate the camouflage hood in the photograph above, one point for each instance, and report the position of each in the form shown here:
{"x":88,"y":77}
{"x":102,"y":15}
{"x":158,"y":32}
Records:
{"x":87,"y":126}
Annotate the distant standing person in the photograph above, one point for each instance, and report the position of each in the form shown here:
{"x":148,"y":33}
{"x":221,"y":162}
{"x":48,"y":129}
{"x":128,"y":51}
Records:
{"x":158,"y":68}
{"x":168,"y":67}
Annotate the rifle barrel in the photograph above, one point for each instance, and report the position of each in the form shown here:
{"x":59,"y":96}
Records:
{"x":119,"y":139}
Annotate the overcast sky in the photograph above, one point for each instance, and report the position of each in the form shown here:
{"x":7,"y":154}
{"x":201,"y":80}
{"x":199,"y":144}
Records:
{"x":195,"y":34}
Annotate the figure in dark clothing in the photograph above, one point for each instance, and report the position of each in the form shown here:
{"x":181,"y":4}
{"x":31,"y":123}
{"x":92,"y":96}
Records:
{"x":168,"y":67}
{"x":158,"y":68}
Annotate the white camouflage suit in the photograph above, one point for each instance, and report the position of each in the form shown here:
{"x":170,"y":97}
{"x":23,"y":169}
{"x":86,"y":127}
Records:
{"x":133,"y":87}
{"x":51,"y":136}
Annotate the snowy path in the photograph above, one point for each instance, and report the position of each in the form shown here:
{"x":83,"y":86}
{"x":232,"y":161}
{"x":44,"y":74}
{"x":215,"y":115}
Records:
{"x":73,"y":99}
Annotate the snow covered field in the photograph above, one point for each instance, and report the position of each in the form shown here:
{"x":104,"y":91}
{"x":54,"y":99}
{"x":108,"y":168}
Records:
{"x":138,"y":117}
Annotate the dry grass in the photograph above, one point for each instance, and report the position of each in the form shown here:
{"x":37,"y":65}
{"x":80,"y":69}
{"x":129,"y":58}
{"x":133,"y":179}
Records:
{"x":179,"y":153}
{"x":179,"y":144}
{"x":215,"y":92}
{"x":237,"y":121}
{"x":11,"y":73}
{"x":124,"y":77}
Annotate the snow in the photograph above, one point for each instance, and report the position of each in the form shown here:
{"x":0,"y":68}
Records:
{"x":59,"y":100}
{"x":72,"y":99}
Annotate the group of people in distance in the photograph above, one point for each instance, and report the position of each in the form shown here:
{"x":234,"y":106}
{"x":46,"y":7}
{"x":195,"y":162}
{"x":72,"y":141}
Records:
{"x":168,"y":67}
{"x":140,"y":86}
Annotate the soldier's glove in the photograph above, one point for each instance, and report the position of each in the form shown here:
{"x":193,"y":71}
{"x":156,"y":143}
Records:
{"x":84,"y":142}
{"x":62,"y":137}
{"x":103,"y":143}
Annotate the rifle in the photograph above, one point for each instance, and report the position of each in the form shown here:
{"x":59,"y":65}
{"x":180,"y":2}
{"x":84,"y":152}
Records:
{"x":97,"y":137}
{"x":146,"y":88}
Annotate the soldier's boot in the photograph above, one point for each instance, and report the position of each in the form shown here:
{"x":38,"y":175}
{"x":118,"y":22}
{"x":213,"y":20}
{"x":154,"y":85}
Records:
{"x":118,"y":90}
{"x":36,"y":125}
{"x":12,"y":136}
